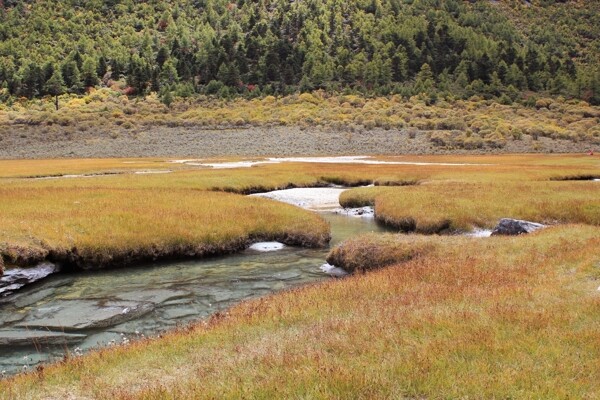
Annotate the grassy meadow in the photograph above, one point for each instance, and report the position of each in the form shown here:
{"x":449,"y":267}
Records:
{"x":124,"y":216}
{"x":436,"y":316}
{"x":505,"y":317}
{"x":94,"y":228}
{"x":461,"y":206}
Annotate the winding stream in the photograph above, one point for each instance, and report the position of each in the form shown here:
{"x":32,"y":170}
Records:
{"x":78,"y":312}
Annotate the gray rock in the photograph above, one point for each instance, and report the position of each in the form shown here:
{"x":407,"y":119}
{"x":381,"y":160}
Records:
{"x":74,"y":315}
{"x":29,"y":337}
{"x":11,"y":316}
{"x":220,"y":296}
{"x":334,"y":271}
{"x":31,"y":297}
{"x":512,"y":227}
{"x":366,"y":212}
{"x":177,"y":302}
{"x":157,"y":296}
{"x":286,"y":275}
{"x":261,"y":286}
{"x":15,"y":278}
{"x":102,"y":339}
{"x":179,"y":313}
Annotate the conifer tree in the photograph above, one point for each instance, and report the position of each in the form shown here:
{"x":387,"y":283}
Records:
{"x":89,"y":72}
{"x":55,"y":86}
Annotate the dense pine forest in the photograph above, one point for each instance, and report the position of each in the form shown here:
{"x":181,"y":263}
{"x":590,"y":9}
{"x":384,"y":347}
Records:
{"x":178,"y":48}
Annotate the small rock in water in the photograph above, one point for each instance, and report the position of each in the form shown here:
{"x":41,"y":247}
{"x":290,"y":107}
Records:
{"x":333,"y":270}
{"x":364,"y":212}
{"x":513,"y":227}
{"x":267,"y":246}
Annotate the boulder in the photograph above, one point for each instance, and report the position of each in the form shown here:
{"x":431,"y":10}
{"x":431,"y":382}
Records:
{"x":513,"y":227}
{"x":15,"y":278}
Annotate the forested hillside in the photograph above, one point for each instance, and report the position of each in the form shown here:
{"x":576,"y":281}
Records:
{"x":377,"y":47}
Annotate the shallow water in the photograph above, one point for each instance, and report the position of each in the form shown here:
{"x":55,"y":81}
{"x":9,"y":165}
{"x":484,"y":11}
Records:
{"x":316,"y":199}
{"x":100,"y":308}
{"x":322,"y":160}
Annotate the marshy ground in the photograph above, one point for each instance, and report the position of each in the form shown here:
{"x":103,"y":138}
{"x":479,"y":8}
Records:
{"x":448,"y":316}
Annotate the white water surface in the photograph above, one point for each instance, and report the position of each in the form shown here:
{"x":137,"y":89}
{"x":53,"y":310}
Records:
{"x":267,"y":246}
{"x":480,"y":233}
{"x":320,"y":160}
{"x":316,"y":199}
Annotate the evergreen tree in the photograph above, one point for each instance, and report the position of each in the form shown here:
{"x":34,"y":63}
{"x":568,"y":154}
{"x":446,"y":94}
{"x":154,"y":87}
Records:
{"x":424,"y":82}
{"x":55,"y":86}
{"x":31,"y":79}
{"x":138,"y":74}
{"x":72,"y":77}
{"x":168,"y":74}
{"x":89,"y":72}
{"x":102,"y":67}
{"x":162,"y":56}
{"x":167,"y":97}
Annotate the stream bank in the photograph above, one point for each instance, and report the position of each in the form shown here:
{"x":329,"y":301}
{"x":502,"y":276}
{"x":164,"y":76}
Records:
{"x":80,"y":311}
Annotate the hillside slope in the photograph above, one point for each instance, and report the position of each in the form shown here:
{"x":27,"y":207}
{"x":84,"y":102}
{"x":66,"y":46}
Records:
{"x":225,"y":48}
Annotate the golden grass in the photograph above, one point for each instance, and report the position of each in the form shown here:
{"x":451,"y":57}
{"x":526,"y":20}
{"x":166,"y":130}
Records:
{"x":451,"y":317}
{"x":112,"y":217}
{"x":485,"y":169}
{"x":369,"y":252}
{"x":89,"y":228}
{"x":56,"y":167}
{"x":504,"y":317}
{"x":461,"y":206}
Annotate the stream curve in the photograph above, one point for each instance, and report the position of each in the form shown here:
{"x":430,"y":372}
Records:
{"x":81,"y":311}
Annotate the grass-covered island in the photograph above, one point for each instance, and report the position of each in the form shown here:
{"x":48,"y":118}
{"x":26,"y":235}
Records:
{"x":435,"y":316}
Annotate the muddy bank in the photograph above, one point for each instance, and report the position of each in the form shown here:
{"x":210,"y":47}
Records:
{"x":34,"y":142}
